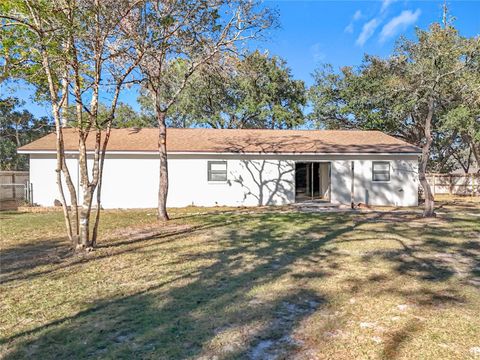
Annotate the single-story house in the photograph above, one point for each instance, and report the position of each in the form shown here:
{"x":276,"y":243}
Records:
{"x":209,"y":167}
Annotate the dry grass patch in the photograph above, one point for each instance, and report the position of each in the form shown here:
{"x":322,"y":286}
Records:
{"x":243,"y":283}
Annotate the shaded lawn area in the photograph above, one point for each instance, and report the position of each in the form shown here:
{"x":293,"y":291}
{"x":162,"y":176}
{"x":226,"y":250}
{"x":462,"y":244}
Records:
{"x":267,"y":283}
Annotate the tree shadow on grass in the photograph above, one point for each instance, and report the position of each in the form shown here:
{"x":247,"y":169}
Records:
{"x":435,"y":259}
{"x":18,"y":261}
{"x":215,"y":310}
{"x":429,"y":255}
{"x":400,"y":338}
{"x":210,"y":310}
{"x":27,"y":256}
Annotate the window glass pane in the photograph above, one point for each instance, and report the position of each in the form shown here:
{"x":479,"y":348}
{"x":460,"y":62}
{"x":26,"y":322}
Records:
{"x":381,"y":167}
{"x":381,"y":177}
{"x":217,"y":171}
{"x":381,"y":171}
{"x":218,"y":177}
{"x":218,"y":166}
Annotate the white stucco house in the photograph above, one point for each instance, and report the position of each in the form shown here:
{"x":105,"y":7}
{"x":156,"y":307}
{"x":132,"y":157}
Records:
{"x":209,"y":167}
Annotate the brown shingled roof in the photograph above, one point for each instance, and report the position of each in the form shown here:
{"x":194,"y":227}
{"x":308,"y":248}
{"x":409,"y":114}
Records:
{"x":239,"y":141}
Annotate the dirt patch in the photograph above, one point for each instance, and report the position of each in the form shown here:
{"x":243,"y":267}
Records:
{"x":277,"y":347}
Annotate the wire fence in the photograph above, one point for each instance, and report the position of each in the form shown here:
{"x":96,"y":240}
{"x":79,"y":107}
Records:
{"x":15,"y":189}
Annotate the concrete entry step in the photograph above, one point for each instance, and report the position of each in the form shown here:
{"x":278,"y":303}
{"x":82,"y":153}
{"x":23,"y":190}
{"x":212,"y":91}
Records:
{"x":319,"y":206}
{"x":315,"y":204}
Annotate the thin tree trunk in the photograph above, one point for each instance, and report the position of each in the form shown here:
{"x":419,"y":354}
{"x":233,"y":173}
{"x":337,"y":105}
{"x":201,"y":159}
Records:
{"x":64,"y":118}
{"x":73,"y":197}
{"x":17,"y":135}
{"x":99,"y":186}
{"x":87,"y":195}
{"x":429,"y":209}
{"x":66,"y":173}
{"x":60,"y":163}
{"x":61,"y":166}
{"x":476,"y":154}
{"x":162,"y":153}
{"x":89,"y":187}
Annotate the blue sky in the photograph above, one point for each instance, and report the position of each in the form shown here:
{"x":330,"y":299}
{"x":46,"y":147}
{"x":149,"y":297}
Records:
{"x":336,"y":32}
{"x":341,"y":32}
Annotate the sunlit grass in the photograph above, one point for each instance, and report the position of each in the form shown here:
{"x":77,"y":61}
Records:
{"x":245,"y":283}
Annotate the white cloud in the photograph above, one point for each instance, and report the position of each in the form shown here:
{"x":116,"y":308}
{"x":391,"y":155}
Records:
{"x":357,"y":15}
{"x":399,"y":23}
{"x":317,"y":53}
{"x":367,"y":31}
{"x":349,"y":28}
{"x":386,"y":4}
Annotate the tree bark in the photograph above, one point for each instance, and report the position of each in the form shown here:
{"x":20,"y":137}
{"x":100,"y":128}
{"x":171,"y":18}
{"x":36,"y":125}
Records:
{"x":60,"y":161}
{"x":84,"y":184}
{"x":162,"y":153}
{"x":476,"y":154}
{"x":88,"y":188}
{"x":99,"y":185}
{"x":61,"y":166}
{"x":429,"y":209}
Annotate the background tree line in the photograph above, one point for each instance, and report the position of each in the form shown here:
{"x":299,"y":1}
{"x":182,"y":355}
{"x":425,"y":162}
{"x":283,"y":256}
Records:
{"x":259,"y":91}
{"x":18,"y":127}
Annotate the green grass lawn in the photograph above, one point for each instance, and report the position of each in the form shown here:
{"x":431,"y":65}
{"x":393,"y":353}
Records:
{"x":269,"y":283}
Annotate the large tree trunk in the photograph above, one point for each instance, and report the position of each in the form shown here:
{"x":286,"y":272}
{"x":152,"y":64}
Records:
{"x":162,"y":153}
{"x":429,"y":209}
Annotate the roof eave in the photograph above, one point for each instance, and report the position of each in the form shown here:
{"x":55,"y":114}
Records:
{"x":146,"y":152}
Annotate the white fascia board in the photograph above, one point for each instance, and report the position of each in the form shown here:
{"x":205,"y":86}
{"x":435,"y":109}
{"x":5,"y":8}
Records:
{"x":219,"y":153}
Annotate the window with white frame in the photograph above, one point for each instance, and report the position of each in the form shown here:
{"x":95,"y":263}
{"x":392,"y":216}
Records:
{"x":380,"y":171}
{"x":217,"y":171}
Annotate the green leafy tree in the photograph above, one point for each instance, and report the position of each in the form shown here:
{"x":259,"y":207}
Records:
{"x":127,"y":117}
{"x":462,"y":117}
{"x":465,"y":122}
{"x":17,"y":128}
{"x":256,"y":91}
{"x":81,"y":50}
{"x":264,"y":95}
{"x":406,"y":94}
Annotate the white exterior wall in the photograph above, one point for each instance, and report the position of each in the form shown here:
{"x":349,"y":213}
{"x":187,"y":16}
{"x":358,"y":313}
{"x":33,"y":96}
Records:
{"x":44,"y":178}
{"x":401,"y":190}
{"x":131,"y":181}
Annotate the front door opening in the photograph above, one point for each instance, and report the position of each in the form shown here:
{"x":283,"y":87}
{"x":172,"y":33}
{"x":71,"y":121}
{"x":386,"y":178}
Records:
{"x":312,"y":181}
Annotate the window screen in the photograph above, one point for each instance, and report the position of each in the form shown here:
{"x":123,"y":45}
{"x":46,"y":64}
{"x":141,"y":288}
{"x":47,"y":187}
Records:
{"x":381,"y":171}
{"x":217,"y":171}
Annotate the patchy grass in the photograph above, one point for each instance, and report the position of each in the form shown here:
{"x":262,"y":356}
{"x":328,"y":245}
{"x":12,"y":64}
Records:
{"x":240,"y":283}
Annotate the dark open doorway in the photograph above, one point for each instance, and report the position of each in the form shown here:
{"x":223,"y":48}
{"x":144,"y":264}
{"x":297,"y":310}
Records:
{"x":312,"y":181}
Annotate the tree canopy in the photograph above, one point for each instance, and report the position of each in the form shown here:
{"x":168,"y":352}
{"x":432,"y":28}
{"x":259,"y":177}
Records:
{"x":393,"y":94}
{"x":254,"y":91}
